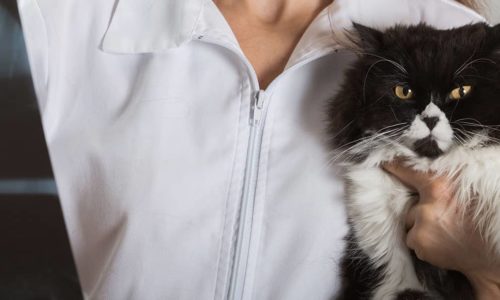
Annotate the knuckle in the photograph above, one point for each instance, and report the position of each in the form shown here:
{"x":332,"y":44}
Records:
{"x":427,"y":214}
{"x":439,"y":189}
{"x":417,"y":240}
{"x":420,"y":254}
{"x":433,"y":190}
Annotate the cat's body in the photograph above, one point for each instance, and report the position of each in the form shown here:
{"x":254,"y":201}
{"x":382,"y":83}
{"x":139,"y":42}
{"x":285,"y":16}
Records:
{"x":399,"y":101}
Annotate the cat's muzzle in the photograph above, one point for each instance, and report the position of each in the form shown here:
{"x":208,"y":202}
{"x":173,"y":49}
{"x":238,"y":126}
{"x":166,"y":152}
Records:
{"x":430,"y":133}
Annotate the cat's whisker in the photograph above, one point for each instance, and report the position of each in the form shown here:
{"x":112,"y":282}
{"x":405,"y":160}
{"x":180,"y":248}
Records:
{"x":475,"y":123}
{"x":341,"y":130}
{"x":394,"y":113}
{"x":371,"y":142}
{"x":471,"y":119}
{"x":459,"y":70}
{"x":347,"y":154}
{"x":478,"y":60}
{"x":366,"y":77}
{"x":460,"y":140}
{"x":394,"y":63}
{"x":454,"y":109}
{"x":375,"y":134}
{"x":483,"y":128}
{"x":492,"y":127}
{"x":378,"y":135}
{"x":484,"y":135}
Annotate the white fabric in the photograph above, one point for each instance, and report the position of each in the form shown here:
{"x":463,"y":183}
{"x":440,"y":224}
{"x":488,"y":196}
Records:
{"x":146,"y":108}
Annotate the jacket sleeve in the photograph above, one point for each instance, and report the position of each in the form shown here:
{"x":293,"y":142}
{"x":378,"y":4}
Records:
{"x":37,"y":45}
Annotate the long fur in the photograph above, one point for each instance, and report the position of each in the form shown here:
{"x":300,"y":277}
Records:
{"x":369,"y":126}
{"x":377,"y":204}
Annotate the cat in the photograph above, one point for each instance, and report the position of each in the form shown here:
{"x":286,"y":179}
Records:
{"x":432,"y":97}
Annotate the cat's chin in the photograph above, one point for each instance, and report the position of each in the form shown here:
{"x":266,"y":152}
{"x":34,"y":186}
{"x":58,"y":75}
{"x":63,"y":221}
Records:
{"x":427,"y":147}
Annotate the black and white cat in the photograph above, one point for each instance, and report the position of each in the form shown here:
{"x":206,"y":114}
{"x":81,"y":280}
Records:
{"x":433,"y":97}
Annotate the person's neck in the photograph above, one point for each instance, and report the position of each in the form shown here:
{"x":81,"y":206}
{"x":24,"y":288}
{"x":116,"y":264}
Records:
{"x":272,"y":12}
{"x":268,"y":30}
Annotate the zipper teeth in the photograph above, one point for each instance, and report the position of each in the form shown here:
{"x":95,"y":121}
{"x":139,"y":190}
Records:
{"x":248,"y":200}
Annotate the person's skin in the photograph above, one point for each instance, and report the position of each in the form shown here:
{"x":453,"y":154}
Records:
{"x":439,"y":233}
{"x":268,"y":31}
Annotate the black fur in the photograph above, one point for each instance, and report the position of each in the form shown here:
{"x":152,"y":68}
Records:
{"x":443,"y":281}
{"x":360,"y":277}
{"x":366,"y":104}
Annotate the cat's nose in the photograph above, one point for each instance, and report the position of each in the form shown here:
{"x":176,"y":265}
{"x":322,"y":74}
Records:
{"x":430,"y":122}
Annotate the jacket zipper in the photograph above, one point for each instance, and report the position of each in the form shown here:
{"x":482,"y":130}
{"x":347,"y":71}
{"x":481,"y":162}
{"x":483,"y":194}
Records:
{"x":245,"y":219}
{"x":257,"y":118}
{"x":242,"y":250}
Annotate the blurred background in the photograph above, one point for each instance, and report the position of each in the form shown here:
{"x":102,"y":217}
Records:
{"x":35,"y":257}
{"x":492,"y":11}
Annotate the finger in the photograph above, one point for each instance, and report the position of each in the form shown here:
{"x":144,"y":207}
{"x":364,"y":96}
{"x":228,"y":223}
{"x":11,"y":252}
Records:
{"x":415,"y":241}
{"x":410,"y":239}
{"x":440,"y":193}
{"x":412,"y":178}
{"x":411,"y":217}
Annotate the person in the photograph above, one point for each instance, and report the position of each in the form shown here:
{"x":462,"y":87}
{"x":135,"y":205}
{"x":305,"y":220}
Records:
{"x":188,"y":147}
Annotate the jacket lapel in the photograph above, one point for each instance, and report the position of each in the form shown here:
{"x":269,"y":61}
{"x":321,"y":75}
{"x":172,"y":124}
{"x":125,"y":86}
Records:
{"x":145,"y":26}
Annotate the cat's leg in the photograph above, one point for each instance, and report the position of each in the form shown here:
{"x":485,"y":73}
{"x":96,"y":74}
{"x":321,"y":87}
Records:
{"x":376,"y":208}
{"x":359,"y":275}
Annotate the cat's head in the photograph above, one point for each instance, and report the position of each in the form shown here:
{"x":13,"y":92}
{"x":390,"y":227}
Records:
{"x":421,"y":88}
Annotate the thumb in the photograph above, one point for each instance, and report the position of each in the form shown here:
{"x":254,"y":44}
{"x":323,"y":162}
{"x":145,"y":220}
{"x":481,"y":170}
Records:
{"x":413,"y":179}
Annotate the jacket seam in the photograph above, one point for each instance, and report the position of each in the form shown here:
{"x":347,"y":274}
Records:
{"x":230,"y":188}
{"x":198,"y":18}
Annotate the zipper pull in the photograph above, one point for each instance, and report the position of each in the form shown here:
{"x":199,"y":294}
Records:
{"x":257,"y":106}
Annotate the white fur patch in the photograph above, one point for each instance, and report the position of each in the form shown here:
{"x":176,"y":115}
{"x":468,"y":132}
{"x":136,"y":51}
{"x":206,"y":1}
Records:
{"x":377,"y":203}
{"x":431,"y":110}
{"x":418,"y":130}
{"x":442,"y":133}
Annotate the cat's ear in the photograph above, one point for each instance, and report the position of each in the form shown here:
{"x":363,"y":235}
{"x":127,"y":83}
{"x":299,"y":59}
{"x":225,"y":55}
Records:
{"x":367,"y":38}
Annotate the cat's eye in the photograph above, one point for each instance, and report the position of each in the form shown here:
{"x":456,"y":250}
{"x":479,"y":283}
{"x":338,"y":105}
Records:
{"x":460,"y":92}
{"x":403,"y":92}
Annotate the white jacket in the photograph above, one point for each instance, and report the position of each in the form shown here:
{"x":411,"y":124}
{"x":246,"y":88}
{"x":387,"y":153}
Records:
{"x":179,"y":178}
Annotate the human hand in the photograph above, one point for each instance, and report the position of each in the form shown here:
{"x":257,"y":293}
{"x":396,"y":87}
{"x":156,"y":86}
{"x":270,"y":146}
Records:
{"x":443,"y":235}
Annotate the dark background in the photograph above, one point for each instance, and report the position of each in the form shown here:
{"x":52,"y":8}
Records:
{"x":35,"y":256}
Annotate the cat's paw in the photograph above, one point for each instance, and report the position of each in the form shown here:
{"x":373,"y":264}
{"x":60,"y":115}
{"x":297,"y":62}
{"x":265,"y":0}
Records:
{"x":413,"y":295}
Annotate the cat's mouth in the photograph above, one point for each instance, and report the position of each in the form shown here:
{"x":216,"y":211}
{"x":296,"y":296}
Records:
{"x":427,"y":147}
{"x":430,"y":133}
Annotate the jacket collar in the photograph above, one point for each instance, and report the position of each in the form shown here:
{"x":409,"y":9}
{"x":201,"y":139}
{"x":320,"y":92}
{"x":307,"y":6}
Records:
{"x":381,"y":14}
{"x":144,"y":26}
